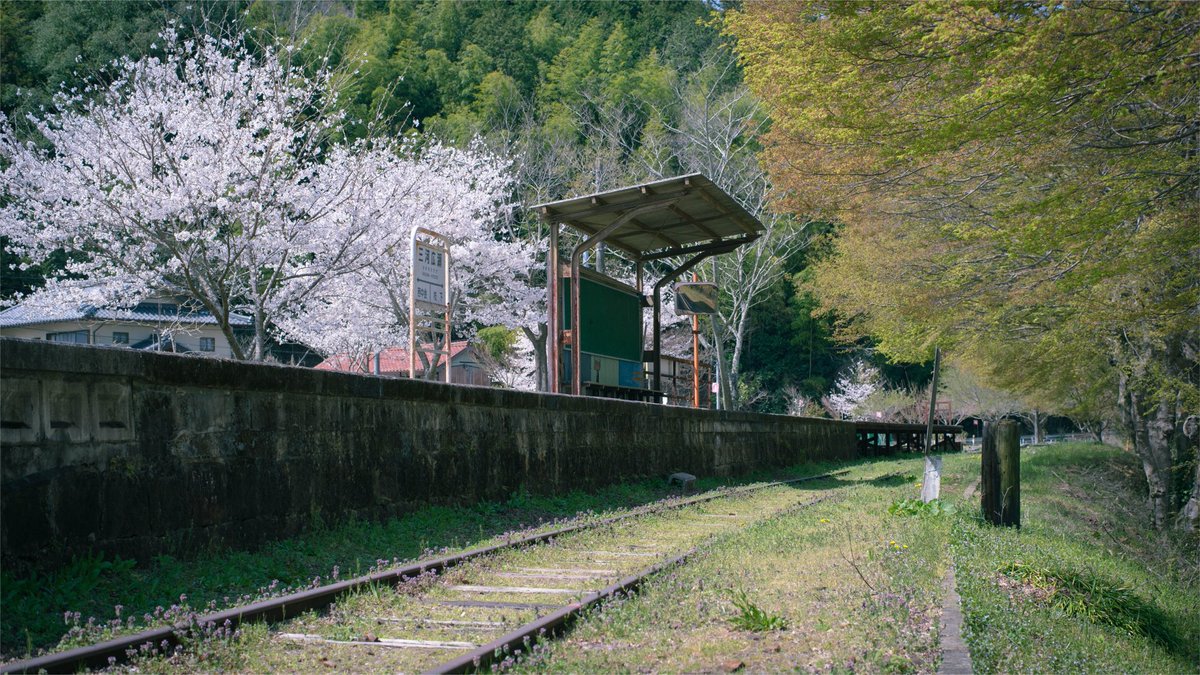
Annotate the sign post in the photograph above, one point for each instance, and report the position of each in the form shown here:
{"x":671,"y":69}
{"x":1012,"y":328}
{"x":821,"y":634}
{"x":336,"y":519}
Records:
{"x":695,"y":298}
{"x":429,"y":298}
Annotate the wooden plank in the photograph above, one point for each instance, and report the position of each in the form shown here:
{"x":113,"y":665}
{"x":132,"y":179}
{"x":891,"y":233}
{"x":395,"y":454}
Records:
{"x":570,"y":570}
{"x":495,"y":604}
{"x":623,"y":554}
{"x":457,"y":623}
{"x":543,"y":575}
{"x":473,"y":588}
{"x":381,"y":642}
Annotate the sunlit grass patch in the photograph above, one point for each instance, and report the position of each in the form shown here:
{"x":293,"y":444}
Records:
{"x":797,"y":573}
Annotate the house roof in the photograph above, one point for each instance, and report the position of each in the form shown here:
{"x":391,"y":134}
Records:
{"x":392,"y":360}
{"x":144,"y":313}
{"x":680,"y":215}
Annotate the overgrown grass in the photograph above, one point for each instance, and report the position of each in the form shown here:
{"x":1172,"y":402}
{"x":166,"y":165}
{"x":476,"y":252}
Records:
{"x":95,"y":596}
{"x":400,"y":612}
{"x":840,"y":585}
{"x":915,"y":507}
{"x":1084,"y":585}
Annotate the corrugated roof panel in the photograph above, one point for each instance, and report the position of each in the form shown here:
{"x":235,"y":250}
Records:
{"x":672,"y":215}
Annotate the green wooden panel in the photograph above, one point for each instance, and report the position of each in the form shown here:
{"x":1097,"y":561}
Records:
{"x":611,"y":319}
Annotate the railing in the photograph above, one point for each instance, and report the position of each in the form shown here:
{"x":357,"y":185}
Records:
{"x":974,"y":442}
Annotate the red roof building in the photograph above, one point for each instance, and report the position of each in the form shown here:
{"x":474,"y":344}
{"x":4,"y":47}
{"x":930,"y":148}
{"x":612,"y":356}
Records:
{"x":466,"y":366}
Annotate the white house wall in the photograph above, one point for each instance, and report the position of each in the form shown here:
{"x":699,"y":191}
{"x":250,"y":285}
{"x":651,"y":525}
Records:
{"x":101,"y":334}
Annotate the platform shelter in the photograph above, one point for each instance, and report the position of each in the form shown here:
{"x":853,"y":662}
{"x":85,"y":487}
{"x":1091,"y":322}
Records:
{"x":683,"y":220}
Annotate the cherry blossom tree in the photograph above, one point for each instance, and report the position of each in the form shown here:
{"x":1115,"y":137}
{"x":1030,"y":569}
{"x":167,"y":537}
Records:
{"x":853,"y":387}
{"x":457,"y":194}
{"x":205,"y":171}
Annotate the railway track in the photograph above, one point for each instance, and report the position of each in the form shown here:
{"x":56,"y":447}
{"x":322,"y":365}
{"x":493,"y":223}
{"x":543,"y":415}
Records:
{"x":459,"y":613}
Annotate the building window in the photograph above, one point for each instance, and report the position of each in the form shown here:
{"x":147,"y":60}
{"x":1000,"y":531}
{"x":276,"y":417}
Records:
{"x":76,"y":336}
{"x":120,"y":338}
{"x":208,"y":344}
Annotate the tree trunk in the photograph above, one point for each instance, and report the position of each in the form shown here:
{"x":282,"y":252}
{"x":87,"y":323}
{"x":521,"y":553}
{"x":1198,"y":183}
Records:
{"x":739,"y":339}
{"x":1189,"y":516}
{"x":257,"y":354}
{"x":1188,"y":437}
{"x":538,"y":340}
{"x":1150,"y":428}
{"x":725,"y":382}
{"x":1037,"y":427}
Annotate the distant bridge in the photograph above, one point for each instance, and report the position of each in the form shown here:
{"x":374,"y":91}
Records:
{"x":882,"y":438}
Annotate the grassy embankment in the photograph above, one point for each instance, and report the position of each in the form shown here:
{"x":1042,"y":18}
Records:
{"x":848,"y":586}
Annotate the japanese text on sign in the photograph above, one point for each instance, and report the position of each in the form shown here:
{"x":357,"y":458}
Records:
{"x":429,"y":270}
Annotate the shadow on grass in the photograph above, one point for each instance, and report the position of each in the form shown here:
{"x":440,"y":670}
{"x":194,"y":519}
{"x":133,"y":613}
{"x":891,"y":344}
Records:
{"x":1088,"y":596}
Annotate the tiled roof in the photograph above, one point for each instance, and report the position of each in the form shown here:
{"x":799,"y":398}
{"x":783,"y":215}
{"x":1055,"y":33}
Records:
{"x":144,"y":313}
{"x":392,"y":360}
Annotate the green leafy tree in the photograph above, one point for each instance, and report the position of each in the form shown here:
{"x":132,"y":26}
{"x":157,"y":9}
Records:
{"x":1018,"y":184}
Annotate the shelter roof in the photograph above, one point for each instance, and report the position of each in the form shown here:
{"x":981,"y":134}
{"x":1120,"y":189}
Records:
{"x":675,"y":216}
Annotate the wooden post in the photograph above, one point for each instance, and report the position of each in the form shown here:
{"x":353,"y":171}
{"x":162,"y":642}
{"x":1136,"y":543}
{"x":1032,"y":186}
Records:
{"x":989,"y":476}
{"x":1008,"y":448}
{"x":1000,"y":477}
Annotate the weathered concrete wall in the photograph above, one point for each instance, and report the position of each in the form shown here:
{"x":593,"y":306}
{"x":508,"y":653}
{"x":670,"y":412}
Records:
{"x":139,"y":453}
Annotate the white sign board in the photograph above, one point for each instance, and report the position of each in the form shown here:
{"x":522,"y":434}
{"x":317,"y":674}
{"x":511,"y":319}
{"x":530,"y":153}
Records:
{"x":429,"y":272}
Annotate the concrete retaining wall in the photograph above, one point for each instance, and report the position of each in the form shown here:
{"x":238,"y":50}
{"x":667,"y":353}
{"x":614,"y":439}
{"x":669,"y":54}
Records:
{"x":139,"y":453}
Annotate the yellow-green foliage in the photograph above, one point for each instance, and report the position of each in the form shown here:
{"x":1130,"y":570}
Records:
{"x":1006,"y":172}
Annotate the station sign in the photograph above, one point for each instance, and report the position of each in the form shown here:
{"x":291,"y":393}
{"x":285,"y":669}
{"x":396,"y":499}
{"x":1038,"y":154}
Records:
{"x":429,"y":274}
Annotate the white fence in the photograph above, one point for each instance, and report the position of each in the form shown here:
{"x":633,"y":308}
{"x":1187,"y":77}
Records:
{"x":973,"y":443}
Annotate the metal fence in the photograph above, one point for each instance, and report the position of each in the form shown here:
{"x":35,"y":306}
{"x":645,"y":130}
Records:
{"x":974,"y":442}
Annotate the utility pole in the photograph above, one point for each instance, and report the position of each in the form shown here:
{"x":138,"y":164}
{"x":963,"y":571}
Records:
{"x":931,"y":486}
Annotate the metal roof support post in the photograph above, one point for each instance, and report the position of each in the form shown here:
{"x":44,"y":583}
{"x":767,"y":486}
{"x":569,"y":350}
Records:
{"x":554,"y":346}
{"x":576,"y":256}
{"x":672,"y":276}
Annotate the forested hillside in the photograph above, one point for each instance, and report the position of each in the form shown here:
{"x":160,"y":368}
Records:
{"x":579,"y":96}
